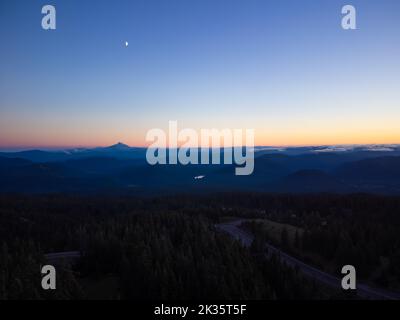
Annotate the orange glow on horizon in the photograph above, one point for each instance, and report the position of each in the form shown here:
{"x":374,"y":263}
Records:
{"x":277,"y":134}
{"x":298,"y":141}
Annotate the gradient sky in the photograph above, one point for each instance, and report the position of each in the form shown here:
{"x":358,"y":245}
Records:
{"x":285,"y":68}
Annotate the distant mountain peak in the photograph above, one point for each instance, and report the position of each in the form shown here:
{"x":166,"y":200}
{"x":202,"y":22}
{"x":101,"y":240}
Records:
{"x":119,"y":146}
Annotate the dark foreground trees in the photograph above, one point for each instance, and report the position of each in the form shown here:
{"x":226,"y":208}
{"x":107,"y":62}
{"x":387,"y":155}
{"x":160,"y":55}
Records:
{"x":131,"y":249}
{"x":168,"y":248}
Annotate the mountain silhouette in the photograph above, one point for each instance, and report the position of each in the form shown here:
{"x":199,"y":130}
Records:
{"x":121,"y":168}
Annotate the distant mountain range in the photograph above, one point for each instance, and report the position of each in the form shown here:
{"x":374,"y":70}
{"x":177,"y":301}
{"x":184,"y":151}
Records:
{"x":118,"y":150}
{"x":123,"y":169}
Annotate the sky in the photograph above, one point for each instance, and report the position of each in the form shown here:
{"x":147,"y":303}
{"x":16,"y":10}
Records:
{"x":284,"y":68}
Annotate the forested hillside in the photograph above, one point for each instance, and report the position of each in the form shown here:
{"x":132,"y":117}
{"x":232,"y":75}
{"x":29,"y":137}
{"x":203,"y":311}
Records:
{"x":163,"y":248}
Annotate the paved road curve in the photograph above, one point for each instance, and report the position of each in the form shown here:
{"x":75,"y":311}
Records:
{"x":363,"y":291}
{"x":57,"y":258}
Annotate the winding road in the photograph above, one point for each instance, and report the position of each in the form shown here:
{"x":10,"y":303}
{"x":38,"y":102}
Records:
{"x":363,"y":291}
{"x":58,"y":258}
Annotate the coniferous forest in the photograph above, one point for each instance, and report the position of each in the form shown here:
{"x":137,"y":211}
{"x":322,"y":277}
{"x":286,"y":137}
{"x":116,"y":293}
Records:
{"x":169,"y":247}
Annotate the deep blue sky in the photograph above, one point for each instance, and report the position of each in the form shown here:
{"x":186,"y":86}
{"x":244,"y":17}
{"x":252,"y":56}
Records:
{"x":285,"y":68}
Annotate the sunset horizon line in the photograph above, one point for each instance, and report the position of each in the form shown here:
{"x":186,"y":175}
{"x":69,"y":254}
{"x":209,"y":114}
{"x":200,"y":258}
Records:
{"x":17,"y":148}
